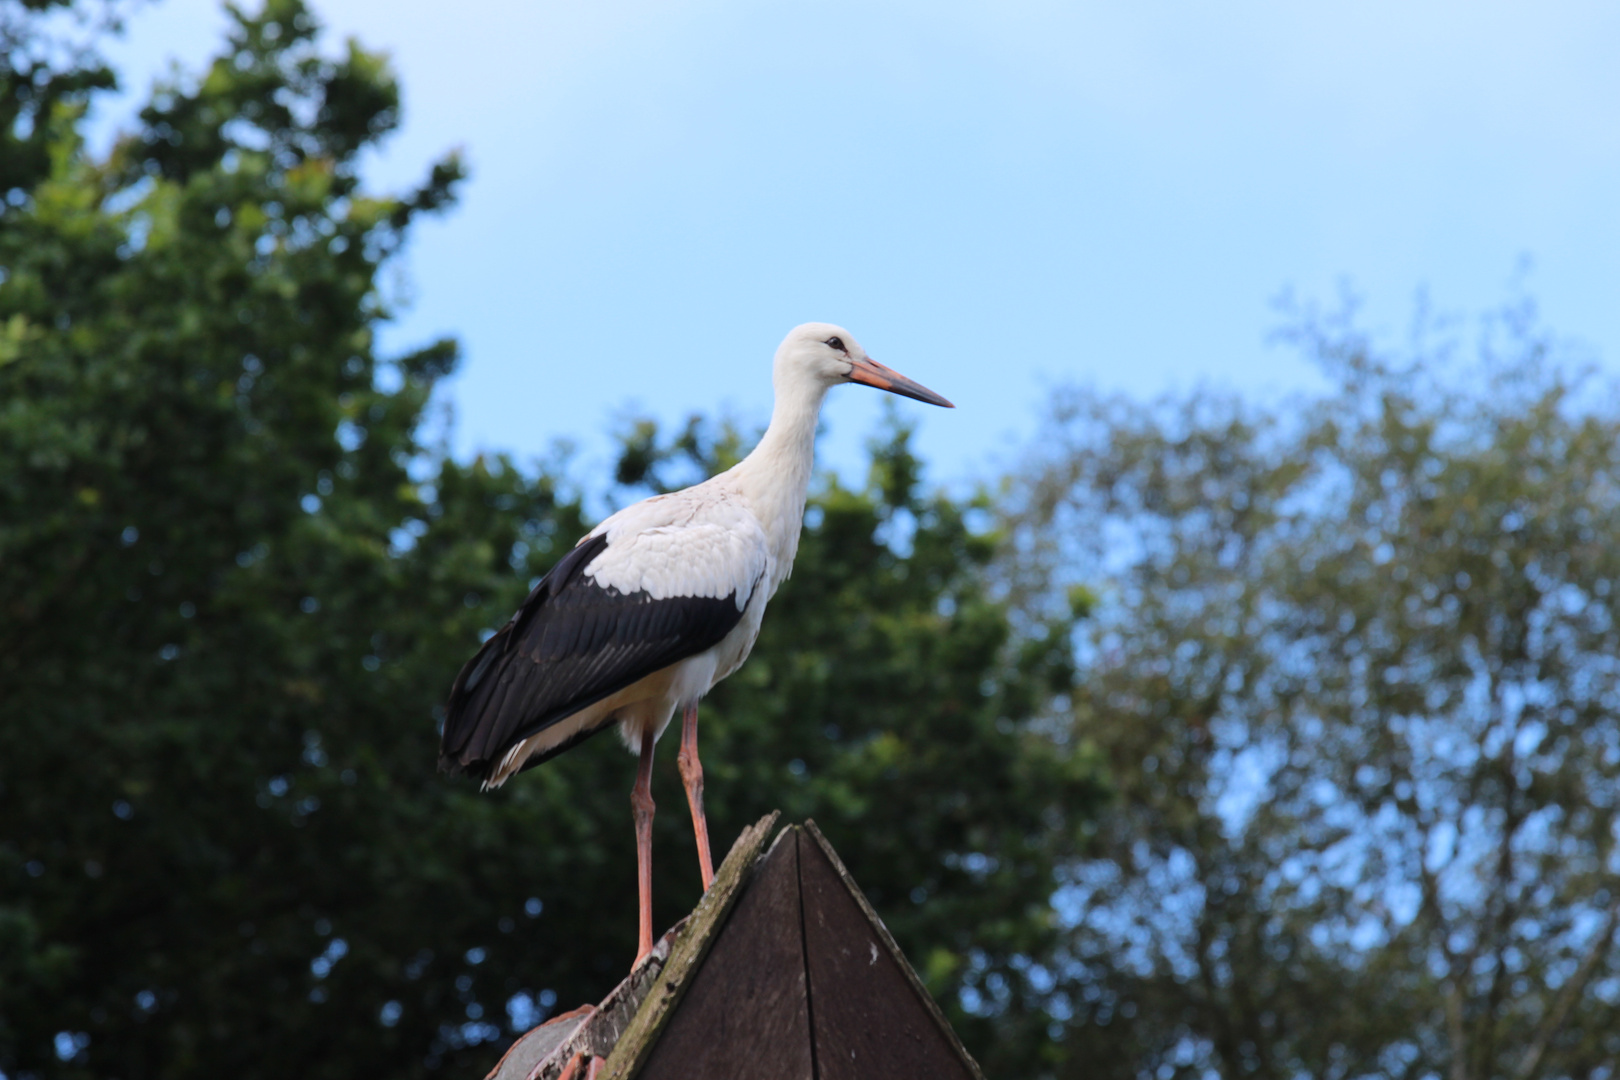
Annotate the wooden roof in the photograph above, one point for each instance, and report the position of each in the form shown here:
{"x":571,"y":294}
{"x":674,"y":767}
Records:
{"x":783,"y":972}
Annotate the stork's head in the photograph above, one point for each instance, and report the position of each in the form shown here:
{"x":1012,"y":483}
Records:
{"x":820,"y":355}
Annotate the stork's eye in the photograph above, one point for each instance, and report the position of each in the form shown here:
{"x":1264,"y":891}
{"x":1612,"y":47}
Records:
{"x":837,"y":343}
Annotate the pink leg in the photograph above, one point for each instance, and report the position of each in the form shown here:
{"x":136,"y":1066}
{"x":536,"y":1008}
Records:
{"x":594,"y":1067}
{"x":692,"y":776}
{"x":641,"y":801}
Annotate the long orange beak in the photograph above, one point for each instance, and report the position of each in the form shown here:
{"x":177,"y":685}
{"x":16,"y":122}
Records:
{"x":872,"y":373}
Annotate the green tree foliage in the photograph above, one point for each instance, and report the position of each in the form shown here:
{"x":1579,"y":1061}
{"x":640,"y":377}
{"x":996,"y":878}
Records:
{"x":1354,"y":669}
{"x":47,"y":74}
{"x":237,"y":577}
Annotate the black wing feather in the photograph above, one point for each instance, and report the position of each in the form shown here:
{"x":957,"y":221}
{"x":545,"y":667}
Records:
{"x":570,"y":645}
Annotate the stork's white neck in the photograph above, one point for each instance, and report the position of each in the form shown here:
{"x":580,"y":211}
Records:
{"x":776,"y":476}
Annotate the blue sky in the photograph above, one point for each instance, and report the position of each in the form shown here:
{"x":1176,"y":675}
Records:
{"x":994,"y":197}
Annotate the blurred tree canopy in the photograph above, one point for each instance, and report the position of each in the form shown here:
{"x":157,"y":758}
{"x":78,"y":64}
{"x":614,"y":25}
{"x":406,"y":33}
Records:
{"x":46,"y":70}
{"x":1350,"y":664}
{"x":238,"y":573}
{"x":1355,"y":667}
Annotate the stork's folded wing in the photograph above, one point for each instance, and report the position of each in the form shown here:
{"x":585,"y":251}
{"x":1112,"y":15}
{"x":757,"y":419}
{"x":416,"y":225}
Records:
{"x":624,"y":604}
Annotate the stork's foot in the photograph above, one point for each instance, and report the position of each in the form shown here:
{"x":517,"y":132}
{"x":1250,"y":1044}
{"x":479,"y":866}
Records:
{"x":571,"y":1071}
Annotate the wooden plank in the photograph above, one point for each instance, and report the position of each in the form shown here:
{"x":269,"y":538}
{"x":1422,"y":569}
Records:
{"x":870,"y":1014}
{"x":613,"y":1017}
{"x":526,"y":1057}
{"x":687,"y":953}
{"x":543,"y":1053}
{"x":745,"y":1013}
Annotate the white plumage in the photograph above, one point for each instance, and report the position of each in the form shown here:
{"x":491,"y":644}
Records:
{"x":657,"y":604}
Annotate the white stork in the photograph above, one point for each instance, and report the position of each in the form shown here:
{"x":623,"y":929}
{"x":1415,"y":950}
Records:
{"x":656,"y":605}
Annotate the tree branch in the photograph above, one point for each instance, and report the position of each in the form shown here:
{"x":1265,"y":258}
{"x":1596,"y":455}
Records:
{"x":1530,"y":1065}
{"x":1513,"y":818}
